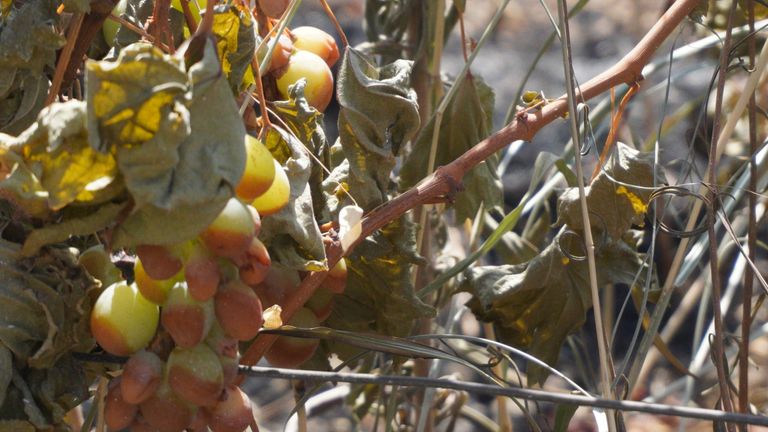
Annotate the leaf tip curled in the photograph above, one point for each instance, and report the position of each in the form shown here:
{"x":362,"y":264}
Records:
{"x":350,"y":226}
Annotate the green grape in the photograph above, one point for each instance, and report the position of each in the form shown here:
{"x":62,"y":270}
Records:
{"x":201,"y":271}
{"x":153,"y":290}
{"x":277,"y":196}
{"x":122,"y":320}
{"x":259,"y":170}
{"x":230,"y":234}
{"x":110,"y":27}
{"x":118,"y":414}
{"x":165,"y":411}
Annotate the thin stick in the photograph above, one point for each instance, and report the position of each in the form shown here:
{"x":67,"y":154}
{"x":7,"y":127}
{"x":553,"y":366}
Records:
{"x":717,"y":342}
{"x":606,"y":372}
{"x":339,"y":30}
{"x":746,"y":310}
{"x":512,"y":392}
{"x":66,"y":55}
{"x":615,"y":123}
{"x":443,"y":183}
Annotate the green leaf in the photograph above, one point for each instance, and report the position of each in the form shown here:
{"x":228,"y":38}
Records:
{"x":292,"y":234}
{"x":617,"y":198}
{"x":167,"y":124}
{"x":235,"y":42}
{"x":466,"y":121}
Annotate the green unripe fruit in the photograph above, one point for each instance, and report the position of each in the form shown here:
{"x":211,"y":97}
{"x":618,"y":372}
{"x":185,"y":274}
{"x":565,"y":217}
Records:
{"x":122,"y":320}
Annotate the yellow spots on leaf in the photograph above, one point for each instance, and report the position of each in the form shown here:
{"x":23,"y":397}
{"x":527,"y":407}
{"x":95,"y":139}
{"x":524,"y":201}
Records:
{"x":73,"y":172}
{"x":565,"y":260}
{"x":225,"y":27}
{"x":638,"y":206}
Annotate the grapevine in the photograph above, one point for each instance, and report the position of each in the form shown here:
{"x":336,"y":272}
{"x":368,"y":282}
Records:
{"x":172,"y":212}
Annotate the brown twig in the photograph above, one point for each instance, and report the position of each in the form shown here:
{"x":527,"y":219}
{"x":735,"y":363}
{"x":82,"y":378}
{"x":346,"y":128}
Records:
{"x":718,"y":339}
{"x":89,"y":29}
{"x":616,"y":116}
{"x":66,"y":55}
{"x":332,"y":17}
{"x":444,"y":182}
{"x":746,"y":311}
{"x":157,"y":24}
{"x":189,"y":17}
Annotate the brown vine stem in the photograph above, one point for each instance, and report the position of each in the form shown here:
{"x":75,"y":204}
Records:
{"x":445,"y":181}
{"x":90,"y":28}
{"x":746,"y":314}
{"x":66,"y":54}
{"x":718,"y":340}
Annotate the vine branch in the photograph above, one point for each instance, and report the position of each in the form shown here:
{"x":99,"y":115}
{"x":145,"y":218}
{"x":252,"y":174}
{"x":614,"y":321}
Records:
{"x":445,"y":181}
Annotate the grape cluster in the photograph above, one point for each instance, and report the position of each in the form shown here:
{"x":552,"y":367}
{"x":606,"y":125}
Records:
{"x":207,"y":294}
{"x":189,"y":306}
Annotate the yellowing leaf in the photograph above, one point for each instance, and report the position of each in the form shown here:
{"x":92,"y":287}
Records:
{"x":56,"y":161}
{"x":132,"y":96}
{"x":235,"y":43}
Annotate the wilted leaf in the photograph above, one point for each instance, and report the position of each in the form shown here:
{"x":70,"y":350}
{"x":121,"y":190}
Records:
{"x":617,"y":198}
{"x":536,"y":305}
{"x":466,"y":122}
{"x":306,"y":123}
{"x":53,"y":159}
{"x":28,"y":44}
{"x":292,"y":234}
{"x":167,"y":124}
{"x":379,"y":296}
{"x":46,"y":316}
{"x":28,"y":38}
{"x":235,"y":42}
{"x":378,"y":116}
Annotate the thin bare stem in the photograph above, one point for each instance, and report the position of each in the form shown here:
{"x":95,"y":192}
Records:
{"x":66,"y":55}
{"x":606,"y":372}
{"x":746,"y":310}
{"x":717,"y":341}
{"x":512,"y":392}
{"x":332,"y":17}
{"x":444,"y":182}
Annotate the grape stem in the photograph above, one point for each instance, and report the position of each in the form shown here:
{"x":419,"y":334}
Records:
{"x":445,"y":182}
